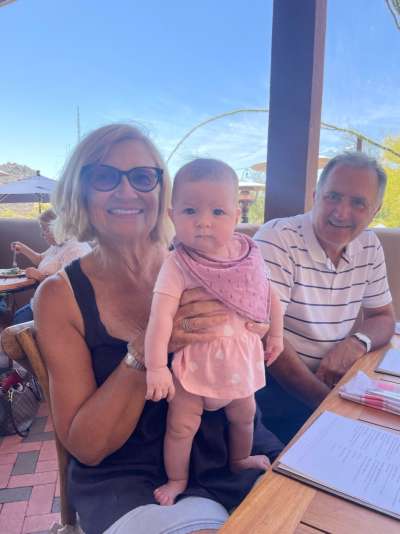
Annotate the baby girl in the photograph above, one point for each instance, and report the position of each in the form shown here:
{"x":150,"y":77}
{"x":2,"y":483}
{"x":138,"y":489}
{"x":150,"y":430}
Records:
{"x":226,"y":372}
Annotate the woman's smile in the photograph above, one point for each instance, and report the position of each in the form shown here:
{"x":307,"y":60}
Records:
{"x":125,"y":212}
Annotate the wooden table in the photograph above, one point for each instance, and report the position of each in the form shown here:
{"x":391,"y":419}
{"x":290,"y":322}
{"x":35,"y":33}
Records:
{"x":15,"y":284}
{"x":282,"y":505}
{"x":9,"y":286}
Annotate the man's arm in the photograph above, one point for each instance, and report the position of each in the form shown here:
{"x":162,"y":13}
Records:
{"x":289,"y":369}
{"x":274,"y":341}
{"x":377,"y":324}
{"x":293,"y":375}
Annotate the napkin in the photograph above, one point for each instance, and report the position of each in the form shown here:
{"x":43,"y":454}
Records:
{"x":378,"y":394}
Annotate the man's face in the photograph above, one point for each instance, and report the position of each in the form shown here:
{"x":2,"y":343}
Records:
{"x":344,"y":206}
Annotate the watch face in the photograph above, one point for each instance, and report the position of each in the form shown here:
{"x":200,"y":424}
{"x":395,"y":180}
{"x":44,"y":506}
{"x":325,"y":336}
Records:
{"x":129,"y":359}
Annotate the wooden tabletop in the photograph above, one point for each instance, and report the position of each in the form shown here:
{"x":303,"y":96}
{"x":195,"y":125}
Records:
{"x":280,"y":505}
{"x":15,"y":283}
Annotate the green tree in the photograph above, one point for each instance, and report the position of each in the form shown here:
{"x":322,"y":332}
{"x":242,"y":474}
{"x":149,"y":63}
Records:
{"x":389,"y":215}
{"x":28,"y":210}
{"x":256,"y":211}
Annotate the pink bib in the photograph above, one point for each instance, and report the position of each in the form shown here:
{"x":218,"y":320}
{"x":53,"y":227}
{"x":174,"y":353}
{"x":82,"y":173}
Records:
{"x":240,"y":283}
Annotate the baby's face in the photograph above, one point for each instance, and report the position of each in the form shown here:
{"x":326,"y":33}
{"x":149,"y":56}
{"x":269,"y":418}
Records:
{"x":205,"y":214}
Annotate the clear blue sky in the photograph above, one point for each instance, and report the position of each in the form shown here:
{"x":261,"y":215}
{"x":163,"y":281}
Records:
{"x":170,"y":64}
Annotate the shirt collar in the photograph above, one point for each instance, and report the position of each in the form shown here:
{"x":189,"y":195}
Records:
{"x":310,"y":239}
{"x":314,"y":246}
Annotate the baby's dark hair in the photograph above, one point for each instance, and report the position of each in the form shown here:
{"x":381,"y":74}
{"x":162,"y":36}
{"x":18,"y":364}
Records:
{"x":203,"y":169}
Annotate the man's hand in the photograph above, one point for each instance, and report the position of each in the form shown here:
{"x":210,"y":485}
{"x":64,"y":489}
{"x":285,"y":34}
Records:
{"x":296,"y":378}
{"x":159,"y":384}
{"x":338,"y":360}
{"x":35,"y":274}
{"x":273,"y":349}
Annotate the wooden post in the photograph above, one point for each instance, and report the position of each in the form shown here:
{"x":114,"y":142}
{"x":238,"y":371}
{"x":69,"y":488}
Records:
{"x":298,"y":42}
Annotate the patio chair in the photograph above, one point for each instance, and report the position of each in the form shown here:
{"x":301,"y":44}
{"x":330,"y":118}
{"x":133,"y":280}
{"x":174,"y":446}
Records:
{"x":18,"y":342}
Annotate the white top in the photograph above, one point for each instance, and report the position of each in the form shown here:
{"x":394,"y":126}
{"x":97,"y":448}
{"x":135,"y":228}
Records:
{"x":321,"y":302}
{"x":57,"y":256}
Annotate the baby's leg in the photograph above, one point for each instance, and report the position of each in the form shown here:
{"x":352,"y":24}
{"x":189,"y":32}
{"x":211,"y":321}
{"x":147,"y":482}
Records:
{"x":240,"y":414}
{"x":183,"y":421}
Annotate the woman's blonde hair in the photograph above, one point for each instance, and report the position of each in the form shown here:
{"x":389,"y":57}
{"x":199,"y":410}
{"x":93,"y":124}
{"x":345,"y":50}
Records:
{"x":70,"y":196}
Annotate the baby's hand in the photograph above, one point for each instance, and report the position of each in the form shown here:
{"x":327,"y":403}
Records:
{"x":159,"y":384}
{"x":274,"y":348}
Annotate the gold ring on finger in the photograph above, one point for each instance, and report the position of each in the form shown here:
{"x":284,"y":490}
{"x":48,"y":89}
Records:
{"x":186,"y":325}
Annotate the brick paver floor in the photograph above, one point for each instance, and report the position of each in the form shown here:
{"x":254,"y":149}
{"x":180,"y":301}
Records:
{"x":29,"y":488}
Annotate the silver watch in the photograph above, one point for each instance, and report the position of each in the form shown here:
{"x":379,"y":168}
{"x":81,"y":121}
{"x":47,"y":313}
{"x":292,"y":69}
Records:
{"x":131,"y":361}
{"x":365,"y":340}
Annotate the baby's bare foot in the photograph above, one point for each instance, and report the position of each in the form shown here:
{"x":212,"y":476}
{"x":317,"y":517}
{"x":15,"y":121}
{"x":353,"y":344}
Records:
{"x":165,"y":494}
{"x":258,"y":461}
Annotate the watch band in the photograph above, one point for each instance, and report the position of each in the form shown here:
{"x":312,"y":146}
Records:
{"x":131,"y":361}
{"x":364,"y":339}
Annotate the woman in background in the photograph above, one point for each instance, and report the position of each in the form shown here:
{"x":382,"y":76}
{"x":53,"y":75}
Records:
{"x":48,"y":262}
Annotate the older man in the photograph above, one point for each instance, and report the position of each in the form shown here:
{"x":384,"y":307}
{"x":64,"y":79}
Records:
{"x":327,"y":267}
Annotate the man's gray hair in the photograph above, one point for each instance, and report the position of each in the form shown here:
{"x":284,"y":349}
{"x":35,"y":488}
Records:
{"x":357,"y":160}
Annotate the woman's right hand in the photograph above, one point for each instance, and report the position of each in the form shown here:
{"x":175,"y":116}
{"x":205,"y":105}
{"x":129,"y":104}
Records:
{"x":195,"y":318}
{"x":17,"y":246}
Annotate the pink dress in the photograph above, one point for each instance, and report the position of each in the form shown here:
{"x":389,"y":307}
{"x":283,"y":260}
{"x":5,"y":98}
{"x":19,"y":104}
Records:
{"x":231,"y":366}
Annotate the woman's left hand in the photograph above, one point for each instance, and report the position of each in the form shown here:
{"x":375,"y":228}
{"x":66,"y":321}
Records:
{"x":35,"y":274}
{"x":196,"y":317}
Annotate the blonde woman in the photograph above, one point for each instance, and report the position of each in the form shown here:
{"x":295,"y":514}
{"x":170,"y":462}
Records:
{"x":115,"y":189}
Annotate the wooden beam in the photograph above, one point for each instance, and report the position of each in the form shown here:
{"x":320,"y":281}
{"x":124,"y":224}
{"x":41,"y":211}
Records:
{"x":298,"y":43}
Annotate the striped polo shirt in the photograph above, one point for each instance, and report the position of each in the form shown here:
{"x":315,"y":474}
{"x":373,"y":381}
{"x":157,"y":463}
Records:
{"x":321,"y":301}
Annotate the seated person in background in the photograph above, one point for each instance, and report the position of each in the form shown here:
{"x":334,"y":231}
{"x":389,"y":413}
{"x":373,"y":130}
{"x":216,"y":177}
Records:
{"x":226,"y":372}
{"x":327,"y":268}
{"x":48,"y":262}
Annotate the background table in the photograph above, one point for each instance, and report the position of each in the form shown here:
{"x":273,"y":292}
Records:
{"x":10,"y":286}
{"x":14,"y":284}
{"x":282,"y":505}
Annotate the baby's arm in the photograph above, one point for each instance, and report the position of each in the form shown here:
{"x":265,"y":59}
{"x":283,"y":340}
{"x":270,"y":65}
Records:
{"x":158,"y":376}
{"x":275,"y":334}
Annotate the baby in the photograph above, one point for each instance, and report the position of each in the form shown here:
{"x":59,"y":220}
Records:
{"x":226,"y":372}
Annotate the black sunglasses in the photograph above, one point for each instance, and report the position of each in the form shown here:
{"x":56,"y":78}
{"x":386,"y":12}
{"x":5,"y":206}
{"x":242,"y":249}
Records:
{"x":106,"y":178}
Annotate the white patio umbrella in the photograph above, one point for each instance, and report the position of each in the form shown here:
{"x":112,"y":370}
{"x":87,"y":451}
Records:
{"x":33,"y":189}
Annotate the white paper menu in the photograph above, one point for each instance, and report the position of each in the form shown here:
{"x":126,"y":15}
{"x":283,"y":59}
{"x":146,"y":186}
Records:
{"x":350,"y":458}
{"x":390,"y":363}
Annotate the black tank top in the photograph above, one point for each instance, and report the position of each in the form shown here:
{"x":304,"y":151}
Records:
{"x":127,"y":478}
